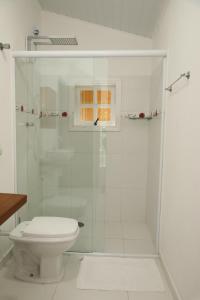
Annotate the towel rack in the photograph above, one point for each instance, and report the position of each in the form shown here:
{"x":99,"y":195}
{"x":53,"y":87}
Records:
{"x":186,"y":75}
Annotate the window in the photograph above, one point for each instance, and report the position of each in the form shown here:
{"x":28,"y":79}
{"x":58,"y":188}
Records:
{"x":96,"y":105}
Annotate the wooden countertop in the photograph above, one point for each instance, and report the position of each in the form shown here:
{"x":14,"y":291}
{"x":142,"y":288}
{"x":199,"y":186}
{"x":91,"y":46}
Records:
{"x":9,"y":204}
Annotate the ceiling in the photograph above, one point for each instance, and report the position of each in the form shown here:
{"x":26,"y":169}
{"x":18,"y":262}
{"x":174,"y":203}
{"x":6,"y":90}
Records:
{"x":134,"y":16}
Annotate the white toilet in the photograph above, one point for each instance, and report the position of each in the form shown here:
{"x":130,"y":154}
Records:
{"x":39,"y":246}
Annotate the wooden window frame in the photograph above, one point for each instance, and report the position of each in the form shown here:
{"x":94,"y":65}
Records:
{"x":114,"y":123}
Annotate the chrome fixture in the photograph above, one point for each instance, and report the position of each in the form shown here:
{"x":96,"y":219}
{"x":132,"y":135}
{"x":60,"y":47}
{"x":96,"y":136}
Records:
{"x":29,"y":124}
{"x":4,"y":46}
{"x":51,"y":40}
{"x":186,"y":75}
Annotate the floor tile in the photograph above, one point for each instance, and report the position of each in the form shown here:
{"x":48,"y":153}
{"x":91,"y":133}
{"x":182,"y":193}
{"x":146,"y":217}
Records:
{"x":163,"y":275}
{"x":13,"y":289}
{"x":64,"y":292}
{"x":114,"y":246}
{"x":149,"y":296}
{"x":67,"y":288}
{"x":139,"y":247}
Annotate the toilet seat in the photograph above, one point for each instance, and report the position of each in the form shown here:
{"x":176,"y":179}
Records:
{"x":50,"y":227}
{"x":46,"y":230}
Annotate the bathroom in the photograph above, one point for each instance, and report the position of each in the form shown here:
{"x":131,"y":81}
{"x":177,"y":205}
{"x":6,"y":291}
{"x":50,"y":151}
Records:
{"x":100,"y":130}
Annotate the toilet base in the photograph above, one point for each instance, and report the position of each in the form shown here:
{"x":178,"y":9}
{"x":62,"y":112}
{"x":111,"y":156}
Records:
{"x":30,"y":268}
{"x":39,"y":279}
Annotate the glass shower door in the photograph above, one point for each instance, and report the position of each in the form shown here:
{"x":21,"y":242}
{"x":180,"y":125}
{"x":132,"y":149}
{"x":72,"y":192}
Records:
{"x":27,"y":134}
{"x":71,"y":156}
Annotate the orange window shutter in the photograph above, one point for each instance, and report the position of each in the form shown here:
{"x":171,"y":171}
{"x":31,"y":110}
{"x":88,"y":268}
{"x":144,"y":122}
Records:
{"x":104,"y":96}
{"x":87,"y":114}
{"x":87,"y":96}
{"x":104,"y":114}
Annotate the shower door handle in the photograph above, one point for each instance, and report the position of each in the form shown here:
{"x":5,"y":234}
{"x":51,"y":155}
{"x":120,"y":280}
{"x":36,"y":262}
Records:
{"x":30,"y":124}
{"x":26,"y":124}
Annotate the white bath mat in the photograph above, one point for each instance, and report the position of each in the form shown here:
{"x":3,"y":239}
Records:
{"x":123,"y":274}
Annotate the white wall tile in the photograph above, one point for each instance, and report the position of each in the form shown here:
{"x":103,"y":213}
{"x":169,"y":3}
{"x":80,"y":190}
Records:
{"x":114,"y":171}
{"x":113,"y":230}
{"x":136,"y":231}
{"x":134,"y":171}
{"x":113,"y":205}
{"x":138,"y":246}
{"x":99,"y":203}
{"x":114,"y":245}
{"x":115,"y":142}
{"x":82,"y":171}
{"x":133,"y":205}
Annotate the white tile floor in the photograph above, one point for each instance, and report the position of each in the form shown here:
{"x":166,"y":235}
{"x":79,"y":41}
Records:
{"x":12,"y":289}
{"x":128,"y":238}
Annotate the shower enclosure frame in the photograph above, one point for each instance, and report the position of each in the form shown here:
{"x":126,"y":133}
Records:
{"x":96,"y":54}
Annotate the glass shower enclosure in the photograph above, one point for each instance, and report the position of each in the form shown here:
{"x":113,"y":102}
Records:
{"x":89,"y":131}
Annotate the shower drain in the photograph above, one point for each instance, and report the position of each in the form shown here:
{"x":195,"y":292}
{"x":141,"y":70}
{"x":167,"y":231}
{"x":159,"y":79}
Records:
{"x":81,"y":224}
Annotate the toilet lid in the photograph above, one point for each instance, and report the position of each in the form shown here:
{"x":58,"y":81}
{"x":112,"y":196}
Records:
{"x":51,"y":227}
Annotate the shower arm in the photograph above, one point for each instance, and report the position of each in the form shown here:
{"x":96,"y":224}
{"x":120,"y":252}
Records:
{"x":31,"y":38}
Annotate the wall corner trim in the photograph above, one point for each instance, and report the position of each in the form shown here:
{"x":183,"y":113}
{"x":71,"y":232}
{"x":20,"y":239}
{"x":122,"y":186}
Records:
{"x":170,"y":280}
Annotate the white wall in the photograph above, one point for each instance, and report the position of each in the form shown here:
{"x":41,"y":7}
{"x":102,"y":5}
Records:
{"x":178,"y":31}
{"x":91,"y":36}
{"x":17,"y":19}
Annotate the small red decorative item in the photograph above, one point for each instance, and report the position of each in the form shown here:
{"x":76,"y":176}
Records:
{"x":64,"y":114}
{"x":142,"y":115}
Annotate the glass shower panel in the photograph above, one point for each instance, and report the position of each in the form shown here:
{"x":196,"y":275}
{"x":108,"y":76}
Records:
{"x":89,"y":147}
{"x":130,"y":154}
{"x":21,"y":131}
{"x":62,"y":161}
{"x":28,"y":170}
{"x":69,"y":144}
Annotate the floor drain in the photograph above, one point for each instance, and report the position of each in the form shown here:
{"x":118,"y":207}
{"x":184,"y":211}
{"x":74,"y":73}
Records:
{"x":81,"y":224}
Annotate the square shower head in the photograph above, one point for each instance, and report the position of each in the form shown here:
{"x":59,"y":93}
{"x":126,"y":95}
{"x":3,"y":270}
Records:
{"x":51,"y":40}
{"x":60,"y":41}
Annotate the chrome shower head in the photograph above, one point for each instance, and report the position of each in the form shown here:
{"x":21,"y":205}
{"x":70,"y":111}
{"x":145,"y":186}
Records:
{"x":60,"y":41}
{"x":56,"y":40}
